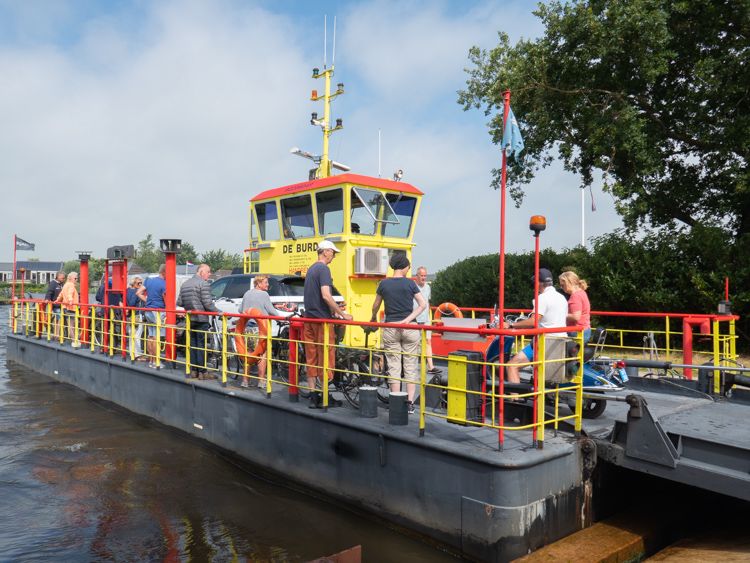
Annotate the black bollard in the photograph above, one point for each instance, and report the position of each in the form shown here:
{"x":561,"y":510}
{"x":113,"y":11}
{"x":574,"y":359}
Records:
{"x":368,"y":402}
{"x":397,"y":414}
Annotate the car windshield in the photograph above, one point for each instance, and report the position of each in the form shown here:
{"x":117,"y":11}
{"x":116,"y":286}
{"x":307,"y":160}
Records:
{"x":295,"y":287}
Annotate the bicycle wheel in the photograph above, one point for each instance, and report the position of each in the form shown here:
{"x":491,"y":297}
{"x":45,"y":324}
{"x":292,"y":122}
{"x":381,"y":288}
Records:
{"x":349,"y":381}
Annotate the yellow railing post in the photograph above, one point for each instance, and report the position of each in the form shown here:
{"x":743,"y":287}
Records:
{"x":157,"y":348}
{"x":26,"y":319}
{"x":732,"y":341}
{"x":579,"y":391}
{"x":541,"y":395}
{"x":326,"y":332}
{"x":717,"y":373}
{"x":187,"y":344}
{"x":49,"y":321}
{"x":92,"y":329}
{"x":422,"y":381}
{"x":111,"y":335}
{"x":269,"y":356}
{"x":223,"y":350}
{"x":131,"y":340}
{"x":63,"y":324}
{"x":14,"y":317}
{"x":76,"y":342}
{"x":668,"y":347}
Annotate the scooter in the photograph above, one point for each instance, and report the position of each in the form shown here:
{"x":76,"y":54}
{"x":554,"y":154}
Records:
{"x":599,"y":376}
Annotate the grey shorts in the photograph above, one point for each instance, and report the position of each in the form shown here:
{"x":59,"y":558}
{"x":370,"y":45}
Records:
{"x":151,"y":322}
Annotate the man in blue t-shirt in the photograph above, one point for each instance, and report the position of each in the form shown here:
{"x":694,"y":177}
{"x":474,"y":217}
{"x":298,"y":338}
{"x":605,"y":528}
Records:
{"x":319,"y":304}
{"x":152,"y":292}
{"x":400,"y":344}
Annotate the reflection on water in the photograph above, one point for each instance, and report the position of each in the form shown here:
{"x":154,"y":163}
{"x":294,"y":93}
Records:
{"x":82,"y":480}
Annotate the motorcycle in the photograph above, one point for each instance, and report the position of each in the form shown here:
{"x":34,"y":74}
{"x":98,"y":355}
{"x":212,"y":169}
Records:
{"x":599,"y":375}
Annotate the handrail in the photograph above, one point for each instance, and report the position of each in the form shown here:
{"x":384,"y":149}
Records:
{"x":113,"y":330}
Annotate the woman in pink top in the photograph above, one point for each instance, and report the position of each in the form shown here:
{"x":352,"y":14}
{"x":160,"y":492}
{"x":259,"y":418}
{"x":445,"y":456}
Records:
{"x":579,"y":308}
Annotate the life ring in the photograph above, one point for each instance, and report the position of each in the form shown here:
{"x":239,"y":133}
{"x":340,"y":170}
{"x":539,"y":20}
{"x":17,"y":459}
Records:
{"x":239,"y":337}
{"x":449,"y":310}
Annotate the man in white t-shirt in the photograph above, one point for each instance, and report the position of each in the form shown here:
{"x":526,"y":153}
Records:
{"x":553,"y":309}
{"x":424,"y":317}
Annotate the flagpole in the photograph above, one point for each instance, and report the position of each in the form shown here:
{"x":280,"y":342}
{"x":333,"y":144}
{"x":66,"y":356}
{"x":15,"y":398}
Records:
{"x":13,"y":291}
{"x":583,"y":218}
{"x":503,"y":174}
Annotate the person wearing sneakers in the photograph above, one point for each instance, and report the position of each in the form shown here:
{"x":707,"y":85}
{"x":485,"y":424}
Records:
{"x":552,"y":309}
{"x":257,"y":298}
{"x":319,"y":304}
{"x":153,"y":292}
{"x":195,"y":295}
{"x":400,"y":344}
{"x":423,"y":318}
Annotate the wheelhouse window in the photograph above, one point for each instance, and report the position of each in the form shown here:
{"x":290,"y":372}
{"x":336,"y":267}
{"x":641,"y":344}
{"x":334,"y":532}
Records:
{"x":369,"y":208}
{"x":330,"y":205}
{"x":403,"y":206}
{"x":297,"y":217}
{"x":268,"y":220}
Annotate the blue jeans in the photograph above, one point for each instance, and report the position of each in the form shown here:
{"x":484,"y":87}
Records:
{"x":198,"y":345}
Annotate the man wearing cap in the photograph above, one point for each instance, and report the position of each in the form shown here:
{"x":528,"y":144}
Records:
{"x":553,"y":310}
{"x":401,"y":345}
{"x":319,"y":304}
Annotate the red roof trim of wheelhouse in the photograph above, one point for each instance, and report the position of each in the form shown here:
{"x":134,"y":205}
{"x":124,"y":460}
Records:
{"x":336,"y":180}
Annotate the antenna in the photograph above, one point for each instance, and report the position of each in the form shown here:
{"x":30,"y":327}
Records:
{"x":327,"y":124}
{"x":333,"y":55}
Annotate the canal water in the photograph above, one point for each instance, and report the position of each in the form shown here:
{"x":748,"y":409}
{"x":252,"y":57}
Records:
{"x":82,"y":480}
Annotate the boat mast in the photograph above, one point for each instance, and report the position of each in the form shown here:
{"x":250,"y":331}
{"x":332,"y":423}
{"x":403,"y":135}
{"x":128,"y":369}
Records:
{"x":325,"y":166}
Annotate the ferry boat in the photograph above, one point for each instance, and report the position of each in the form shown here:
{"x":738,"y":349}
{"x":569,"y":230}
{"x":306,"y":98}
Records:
{"x":488,"y":475}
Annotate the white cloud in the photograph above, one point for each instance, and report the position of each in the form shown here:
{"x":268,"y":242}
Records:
{"x":171,"y":128}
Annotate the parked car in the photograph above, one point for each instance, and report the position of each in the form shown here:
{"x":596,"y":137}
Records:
{"x":286,"y":292}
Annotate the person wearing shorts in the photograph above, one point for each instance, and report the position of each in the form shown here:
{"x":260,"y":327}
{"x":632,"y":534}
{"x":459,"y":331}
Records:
{"x":402,"y":346}
{"x":552,"y":309}
{"x":424,"y":317}
{"x":319,"y":304}
{"x":154,"y":289}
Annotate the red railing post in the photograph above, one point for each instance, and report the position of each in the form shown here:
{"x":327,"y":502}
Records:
{"x":170,"y":299}
{"x":687,"y":346}
{"x":295,"y":333}
{"x":83,"y":295}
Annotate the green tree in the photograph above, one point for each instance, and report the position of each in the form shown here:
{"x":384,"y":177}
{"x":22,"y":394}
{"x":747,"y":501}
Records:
{"x":148,"y":256}
{"x":188,"y":253}
{"x":652,"y":94}
{"x":220,"y":259}
{"x":214,"y":258}
{"x":233,"y":261}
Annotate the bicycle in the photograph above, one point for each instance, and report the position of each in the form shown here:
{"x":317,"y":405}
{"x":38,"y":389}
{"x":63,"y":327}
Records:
{"x":214,"y":350}
{"x":354,"y":368}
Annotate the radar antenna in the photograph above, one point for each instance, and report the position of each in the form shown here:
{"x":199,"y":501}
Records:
{"x":325,"y":164}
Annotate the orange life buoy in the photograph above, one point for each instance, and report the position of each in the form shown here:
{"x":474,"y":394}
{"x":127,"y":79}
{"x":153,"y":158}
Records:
{"x":449,"y":310}
{"x":239,"y":337}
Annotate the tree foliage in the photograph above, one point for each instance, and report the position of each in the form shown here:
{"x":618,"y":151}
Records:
{"x":96,"y":268}
{"x":188,"y":253}
{"x":652,"y":94}
{"x":220,"y":259}
{"x":147,"y":256}
{"x":682,"y":273}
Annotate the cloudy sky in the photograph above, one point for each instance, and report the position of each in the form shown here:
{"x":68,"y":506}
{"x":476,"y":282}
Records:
{"x":132,"y":117}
